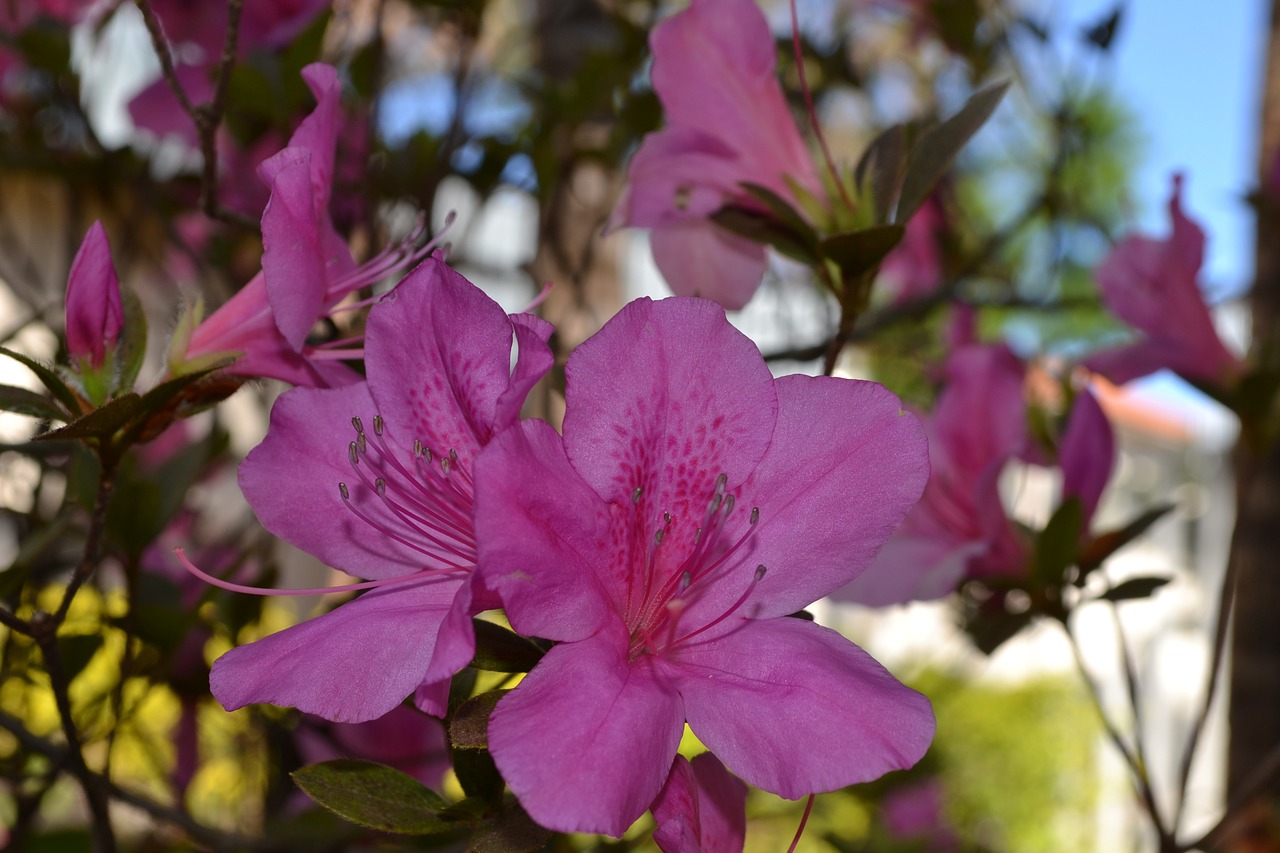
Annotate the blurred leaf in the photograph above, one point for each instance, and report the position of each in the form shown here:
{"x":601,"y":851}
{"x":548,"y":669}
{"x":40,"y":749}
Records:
{"x":511,"y":831}
{"x":1058,"y":544}
{"x":469,"y":727}
{"x":76,"y":650}
{"x":102,"y":423}
{"x":783,"y":210}
{"x":24,"y":401}
{"x":990,"y":624}
{"x":936,"y":150}
{"x":1101,"y":34}
{"x":374,"y":796}
{"x":881,"y":169}
{"x":501,"y":650}
{"x":1105,"y":544}
{"x":766,"y":230}
{"x":1134,"y":588}
{"x":857,"y":252}
{"x":47,"y":378}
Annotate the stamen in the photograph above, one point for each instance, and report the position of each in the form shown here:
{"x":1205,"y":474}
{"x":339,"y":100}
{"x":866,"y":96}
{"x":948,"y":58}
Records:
{"x":635,"y":496}
{"x":804,"y":819}
{"x":191,"y":567}
{"x":377,"y":425}
{"x":759,"y":576}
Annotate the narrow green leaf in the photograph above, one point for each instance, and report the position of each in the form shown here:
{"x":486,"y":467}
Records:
{"x":47,"y":378}
{"x":1058,"y":544}
{"x":782,"y":209}
{"x":881,"y":170}
{"x":765,"y":230}
{"x":933,"y":155}
{"x":1105,"y":544}
{"x":374,"y":796}
{"x":1134,"y":588}
{"x":501,"y":650}
{"x":469,"y":728}
{"x":101,"y":423}
{"x":24,"y":401}
{"x":856,"y":252}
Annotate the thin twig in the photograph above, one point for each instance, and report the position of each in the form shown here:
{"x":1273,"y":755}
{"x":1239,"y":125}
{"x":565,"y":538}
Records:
{"x":92,"y":544}
{"x":1135,"y":702}
{"x":209,"y":116}
{"x":167,"y":67}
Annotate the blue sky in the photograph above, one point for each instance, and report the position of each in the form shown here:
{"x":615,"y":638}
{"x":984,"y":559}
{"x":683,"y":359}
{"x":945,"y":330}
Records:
{"x":1189,"y":69}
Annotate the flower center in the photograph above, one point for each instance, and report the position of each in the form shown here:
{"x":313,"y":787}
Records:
{"x":667,"y":596}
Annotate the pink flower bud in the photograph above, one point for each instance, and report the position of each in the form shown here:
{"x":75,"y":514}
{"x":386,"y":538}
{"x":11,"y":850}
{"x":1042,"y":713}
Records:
{"x":95,"y":314}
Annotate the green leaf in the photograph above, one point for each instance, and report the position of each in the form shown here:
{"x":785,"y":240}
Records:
{"x":1105,"y":544}
{"x":1134,"y":588}
{"x":933,"y":155}
{"x":24,"y":401}
{"x":1058,"y":544}
{"x":765,"y":230}
{"x":76,"y":650}
{"x":881,"y":169}
{"x":501,"y":650}
{"x":132,"y":348}
{"x":512,"y":831}
{"x":782,"y":210}
{"x":857,"y":252}
{"x":47,"y":378}
{"x":374,"y":796}
{"x":101,"y":423}
{"x":469,"y":728}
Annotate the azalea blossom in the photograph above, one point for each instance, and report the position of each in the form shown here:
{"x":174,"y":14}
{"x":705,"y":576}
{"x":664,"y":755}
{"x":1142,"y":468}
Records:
{"x":727,"y":123}
{"x":95,"y":312}
{"x":959,"y":529}
{"x":307,"y":269}
{"x":376,"y":479}
{"x":701,"y":809}
{"x":693,"y":504}
{"x":1152,"y":285}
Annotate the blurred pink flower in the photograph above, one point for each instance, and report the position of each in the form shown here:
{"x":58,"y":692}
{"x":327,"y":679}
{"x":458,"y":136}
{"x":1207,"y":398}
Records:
{"x":95,"y":314}
{"x":375,"y":478}
{"x":913,"y":269}
{"x":639,"y":543}
{"x":915,"y":812}
{"x":1152,"y":285}
{"x":727,"y":123}
{"x":701,"y":808}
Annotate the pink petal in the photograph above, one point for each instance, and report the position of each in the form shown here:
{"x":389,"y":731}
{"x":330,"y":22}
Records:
{"x":293,"y":254}
{"x":1087,"y":454}
{"x":585,"y":741}
{"x":318,"y":132}
{"x":351,"y":665}
{"x":825,"y":513}
{"x":980,"y":417}
{"x":911,"y":567}
{"x":291,"y":481}
{"x":698,"y":258}
{"x":95,"y":314}
{"x":541,"y":532}
{"x":664,"y":398}
{"x":443,"y":353}
{"x":679,"y":173}
{"x":701,"y":809}
{"x":533,"y":359}
{"x":455,"y":647}
{"x":794,"y":708}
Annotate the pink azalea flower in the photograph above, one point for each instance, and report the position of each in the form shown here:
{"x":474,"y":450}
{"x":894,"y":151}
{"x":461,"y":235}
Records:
{"x":959,"y":529}
{"x":1087,"y":455}
{"x":693,"y":503}
{"x":95,"y":314}
{"x":1151,"y":285}
{"x":375,"y":478}
{"x":307,"y":269}
{"x":701,"y":809}
{"x":917,"y":812}
{"x":727,"y":123}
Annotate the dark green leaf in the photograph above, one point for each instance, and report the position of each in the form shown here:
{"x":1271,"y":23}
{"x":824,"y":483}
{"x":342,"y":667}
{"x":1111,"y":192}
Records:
{"x":511,"y":831}
{"x":857,"y":252}
{"x":1105,"y":544}
{"x":469,"y":728}
{"x":880,"y":171}
{"x":101,"y":423}
{"x":766,"y":230}
{"x":1059,"y":543}
{"x":374,"y":796}
{"x":76,"y":650}
{"x":501,"y":650}
{"x":781,"y":209}
{"x":1134,"y":588}
{"x":47,"y":378}
{"x":933,"y":155}
{"x":26,"y":402}
{"x":1101,"y":34}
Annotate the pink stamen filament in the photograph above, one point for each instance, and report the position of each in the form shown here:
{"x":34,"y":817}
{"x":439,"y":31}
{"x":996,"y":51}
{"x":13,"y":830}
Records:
{"x":742,"y":599}
{"x":804,"y":819}
{"x":813,"y":113}
{"x":191,"y":567}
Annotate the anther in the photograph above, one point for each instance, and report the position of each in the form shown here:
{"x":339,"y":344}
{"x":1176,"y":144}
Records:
{"x":666,"y":516}
{"x":342,"y":490}
{"x":729,"y":501}
{"x":453,"y":456}
{"x":363,"y":443}
{"x":755,"y":514}
{"x":353,"y":453}
{"x":378,"y":424}
{"x":635,"y":496}
{"x":722,"y":480}
{"x":686,"y":578}
{"x":356,"y":422}
{"x":381,"y":485}
{"x":417,"y":448}
{"x":657,"y":537}
{"x":760,"y":570}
